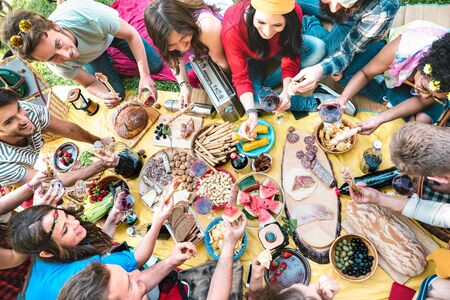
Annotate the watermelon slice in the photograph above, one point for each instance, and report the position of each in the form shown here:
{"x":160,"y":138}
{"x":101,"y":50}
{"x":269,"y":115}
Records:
{"x":269,"y":204}
{"x":243,"y":198}
{"x":264,"y":217}
{"x":249,"y":213}
{"x":231,"y":213}
{"x":248,"y":184}
{"x":268,"y":189}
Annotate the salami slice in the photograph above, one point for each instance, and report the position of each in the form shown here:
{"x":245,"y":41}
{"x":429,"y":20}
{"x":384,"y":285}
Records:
{"x":311,"y":148}
{"x":309,"y":140}
{"x":300,"y":154}
{"x":306,"y":163}
{"x":293,"y":138}
{"x":310,"y":156}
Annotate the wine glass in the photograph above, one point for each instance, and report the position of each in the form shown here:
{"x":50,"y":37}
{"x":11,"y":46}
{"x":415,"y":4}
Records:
{"x":404,"y":184}
{"x":330,"y":112}
{"x":270,"y":101}
{"x":124,"y":200}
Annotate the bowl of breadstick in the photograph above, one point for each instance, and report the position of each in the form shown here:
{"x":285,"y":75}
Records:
{"x":213,"y":143}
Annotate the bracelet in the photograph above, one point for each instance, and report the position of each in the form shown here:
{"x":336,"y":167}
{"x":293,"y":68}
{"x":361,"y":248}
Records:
{"x":183,"y":83}
{"x":251,"y":110}
{"x":30,"y":187}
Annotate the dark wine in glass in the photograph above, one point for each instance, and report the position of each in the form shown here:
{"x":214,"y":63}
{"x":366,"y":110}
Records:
{"x":404,"y":185}
{"x":268,"y":99}
{"x":330,"y":113}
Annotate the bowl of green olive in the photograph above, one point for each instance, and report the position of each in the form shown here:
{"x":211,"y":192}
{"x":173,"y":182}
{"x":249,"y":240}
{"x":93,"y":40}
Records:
{"x":353,"y":257}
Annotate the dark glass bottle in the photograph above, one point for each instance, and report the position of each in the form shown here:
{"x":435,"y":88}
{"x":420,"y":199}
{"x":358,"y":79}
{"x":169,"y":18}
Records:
{"x":372,"y":158}
{"x":375,"y":180}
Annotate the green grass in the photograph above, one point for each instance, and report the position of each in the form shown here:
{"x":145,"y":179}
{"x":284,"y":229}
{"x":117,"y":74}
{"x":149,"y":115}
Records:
{"x":44,"y":7}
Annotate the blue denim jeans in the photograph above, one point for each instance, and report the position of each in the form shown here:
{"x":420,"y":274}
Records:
{"x":313,"y":50}
{"x":104,"y":63}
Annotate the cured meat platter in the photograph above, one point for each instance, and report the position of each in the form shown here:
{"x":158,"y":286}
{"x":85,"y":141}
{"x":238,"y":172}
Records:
{"x":310,"y":195}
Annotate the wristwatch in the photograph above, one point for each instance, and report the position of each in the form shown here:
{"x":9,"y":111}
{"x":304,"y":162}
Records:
{"x":251,"y":110}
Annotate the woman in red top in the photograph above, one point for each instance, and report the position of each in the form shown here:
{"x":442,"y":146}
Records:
{"x":254,"y":32}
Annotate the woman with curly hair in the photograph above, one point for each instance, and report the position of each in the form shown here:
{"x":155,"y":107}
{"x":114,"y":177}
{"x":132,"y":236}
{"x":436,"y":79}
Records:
{"x":62,"y":244}
{"x":417,"y":78}
{"x":179,"y":27}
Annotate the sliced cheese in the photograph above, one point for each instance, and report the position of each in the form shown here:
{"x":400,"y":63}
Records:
{"x":317,"y":238}
{"x":149,"y":198}
{"x":265,"y":257}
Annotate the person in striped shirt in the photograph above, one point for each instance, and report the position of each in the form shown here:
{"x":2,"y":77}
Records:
{"x":21,"y":128}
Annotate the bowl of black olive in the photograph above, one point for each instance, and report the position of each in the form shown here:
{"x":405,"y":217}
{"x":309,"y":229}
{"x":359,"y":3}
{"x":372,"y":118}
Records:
{"x":353,"y":257}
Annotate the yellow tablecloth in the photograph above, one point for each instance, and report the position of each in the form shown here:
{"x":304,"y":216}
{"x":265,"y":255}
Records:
{"x":377,"y":287}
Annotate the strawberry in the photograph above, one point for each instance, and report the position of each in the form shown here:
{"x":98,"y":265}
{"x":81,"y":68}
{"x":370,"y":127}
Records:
{"x":89,"y":191}
{"x":68,"y":155}
{"x":92,"y":198}
{"x":59,"y":153}
{"x":99,"y":197}
{"x":273,"y":266}
{"x":63,"y":162}
{"x":283,"y":265}
{"x":272,"y":279}
{"x":286,"y":254}
{"x":278,"y":272}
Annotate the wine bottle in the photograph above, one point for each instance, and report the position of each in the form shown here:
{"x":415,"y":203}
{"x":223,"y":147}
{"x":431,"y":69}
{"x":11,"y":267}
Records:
{"x":240,"y":162}
{"x":375,"y":180}
{"x":371,"y":158}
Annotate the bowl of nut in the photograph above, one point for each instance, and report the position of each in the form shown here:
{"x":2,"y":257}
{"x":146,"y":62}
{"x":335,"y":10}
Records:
{"x":216,"y":186}
{"x":336,"y":138}
{"x":353,"y":257}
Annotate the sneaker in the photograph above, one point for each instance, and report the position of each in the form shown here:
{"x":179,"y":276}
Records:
{"x":323,"y":92}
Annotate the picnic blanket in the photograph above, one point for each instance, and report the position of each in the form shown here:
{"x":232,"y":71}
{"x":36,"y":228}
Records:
{"x":377,"y":287}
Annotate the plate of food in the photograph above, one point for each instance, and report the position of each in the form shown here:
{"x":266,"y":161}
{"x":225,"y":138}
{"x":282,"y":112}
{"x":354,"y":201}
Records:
{"x":265,"y":139}
{"x":261,"y":197}
{"x":336,"y":138}
{"x":65,"y":156}
{"x":182,"y":224}
{"x":288,"y":267}
{"x":214,"y":235}
{"x":216,"y":187}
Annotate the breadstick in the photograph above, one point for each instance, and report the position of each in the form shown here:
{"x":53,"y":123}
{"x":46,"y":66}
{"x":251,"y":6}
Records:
{"x":204,"y":133}
{"x":219,"y":133}
{"x":102,"y":78}
{"x":204,"y":150}
{"x":216,"y":146}
{"x":218,"y":137}
{"x":179,"y":113}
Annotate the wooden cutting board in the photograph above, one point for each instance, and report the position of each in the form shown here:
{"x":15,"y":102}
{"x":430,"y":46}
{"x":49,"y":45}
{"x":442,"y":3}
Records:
{"x":428,"y":245}
{"x":177,"y":140}
{"x":106,"y":128}
{"x":322,"y":194}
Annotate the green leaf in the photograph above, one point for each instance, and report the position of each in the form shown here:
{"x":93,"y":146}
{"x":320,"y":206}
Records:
{"x":294,"y":221}
{"x":292,"y":227}
{"x":285,"y":227}
{"x":286,"y":220}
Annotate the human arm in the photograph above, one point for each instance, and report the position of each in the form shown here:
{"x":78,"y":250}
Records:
{"x":220,"y":286}
{"x":134,"y":40}
{"x":184,"y":98}
{"x":145,"y":248}
{"x":113,"y":219}
{"x":96,"y":88}
{"x":156,"y":273}
{"x":285,"y":98}
{"x":257,"y":277}
{"x":407,"y":108}
{"x":10,"y":258}
{"x":70,"y":130}
{"x":247,"y":128}
{"x":211,"y":28}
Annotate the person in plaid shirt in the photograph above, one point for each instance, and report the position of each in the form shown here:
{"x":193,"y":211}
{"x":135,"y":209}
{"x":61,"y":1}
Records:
{"x":13,"y":268}
{"x":417,"y":149}
{"x":359,"y":25}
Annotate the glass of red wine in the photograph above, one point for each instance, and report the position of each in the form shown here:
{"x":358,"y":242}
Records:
{"x":270,"y":101}
{"x":124,"y":202}
{"x":404,"y":184}
{"x":330,"y":112}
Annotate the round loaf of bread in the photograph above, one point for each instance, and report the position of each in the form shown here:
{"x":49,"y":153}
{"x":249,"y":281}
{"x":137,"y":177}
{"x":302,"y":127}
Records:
{"x":129,"y":119}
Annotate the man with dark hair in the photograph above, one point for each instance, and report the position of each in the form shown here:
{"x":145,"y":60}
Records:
{"x":359,"y":26}
{"x":21,"y":128}
{"x":136,"y":285}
